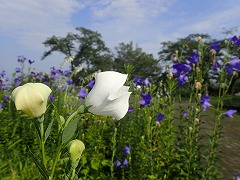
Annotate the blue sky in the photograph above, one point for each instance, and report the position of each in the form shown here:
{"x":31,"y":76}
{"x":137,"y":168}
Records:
{"x":25,"y":24}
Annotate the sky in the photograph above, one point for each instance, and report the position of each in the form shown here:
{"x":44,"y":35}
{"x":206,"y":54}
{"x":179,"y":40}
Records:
{"x":25,"y":24}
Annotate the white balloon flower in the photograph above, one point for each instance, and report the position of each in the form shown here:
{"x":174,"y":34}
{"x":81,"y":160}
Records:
{"x":109,"y":97}
{"x":31,"y":98}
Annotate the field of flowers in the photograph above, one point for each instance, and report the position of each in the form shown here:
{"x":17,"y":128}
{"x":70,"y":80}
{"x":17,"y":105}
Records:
{"x":114,"y":127}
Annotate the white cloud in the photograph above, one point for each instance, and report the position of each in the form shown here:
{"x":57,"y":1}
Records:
{"x":32,"y":21}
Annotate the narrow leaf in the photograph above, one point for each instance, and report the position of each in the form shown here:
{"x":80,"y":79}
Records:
{"x":48,"y":130}
{"x":39,"y":165}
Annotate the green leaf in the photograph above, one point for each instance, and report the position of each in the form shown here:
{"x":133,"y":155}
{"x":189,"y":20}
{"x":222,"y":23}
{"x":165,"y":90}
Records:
{"x":48,"y":130}
{"x":95,"y":164}
{"x":69,"y":131}
{"x":39,"y":165}
{"x":106,"y":162}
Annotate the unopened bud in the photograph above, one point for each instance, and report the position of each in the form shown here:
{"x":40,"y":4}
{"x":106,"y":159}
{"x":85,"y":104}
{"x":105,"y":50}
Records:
{"x":198,"y":85}
{"x":197,"y":120}
{"x":199,"y":38}
{"x":75,"y":149}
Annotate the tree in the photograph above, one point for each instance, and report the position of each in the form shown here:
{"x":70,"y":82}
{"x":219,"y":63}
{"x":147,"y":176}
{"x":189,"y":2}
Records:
{"x":87,"y":50}
{"x":185,"y":47}
{"x":144,"y":65}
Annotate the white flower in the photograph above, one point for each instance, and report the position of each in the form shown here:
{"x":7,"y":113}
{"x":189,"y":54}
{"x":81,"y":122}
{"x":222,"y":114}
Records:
{"x":31,"y":98}
{"x":109,"y":97}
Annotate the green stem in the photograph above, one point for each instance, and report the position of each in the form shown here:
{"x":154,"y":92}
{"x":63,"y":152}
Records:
{"x":113,"y":152}
{"x":80,"y":110}
{"x":58,"y":154}
{"x":73,"y":173}
{"x":43,"y":144}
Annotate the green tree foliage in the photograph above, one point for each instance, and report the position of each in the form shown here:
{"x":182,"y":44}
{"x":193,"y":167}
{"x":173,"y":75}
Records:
{"x":184,"y":46}
{"x":144,"y":65}
{"x":86,"y":48}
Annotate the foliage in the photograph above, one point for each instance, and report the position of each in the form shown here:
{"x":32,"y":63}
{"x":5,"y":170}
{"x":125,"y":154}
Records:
{"x":85,"y":50}
{"x":144,"y":64}
{"x":163,"y":136}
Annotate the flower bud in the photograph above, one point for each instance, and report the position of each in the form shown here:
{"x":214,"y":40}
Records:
{"x":199,"y":38}
{"x":75,"y":149}
{"x":31,"y":98}
{"x":198,"y":85}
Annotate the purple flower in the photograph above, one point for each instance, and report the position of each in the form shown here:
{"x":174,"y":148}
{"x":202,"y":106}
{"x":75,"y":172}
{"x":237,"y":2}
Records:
{"x":21,"y":59}
{"x":59,"y":72}
{"x":53,"y":74}
{"x":159,"y":117}
{"x":91,"y":84}
{"x":146,"y":99}
{"x":51,"y":97}
{"x":215,"y":46}
{"x":32,"y":74}
{"x":3,"y":73}
{"x":6,"y":97}
{"x":182,"y":79}
{"x":82,"y":93}
{"x":67,"y":73}
{"x":130,"y":109}
{"x":1,"y":106}
{"x":238,"y":176}
{"x":30,"y":61}
{"x":194,"y":58}
{"x":216,"y":65}
{"x":145,"y":82}
{"x":205,"y":102}
{"x":127,"y":150}
{"x":230,"y":113}
{"x":185,"y":113}
{"x":117,"y":163}
{"x":235,"y":40}
{"x":137,"y":81}
{"x":233,"y":65}
{"x":124,"y":163}
{"x":69,"y":82}
{"x":18,"y":70}
{"x":181,"y":68}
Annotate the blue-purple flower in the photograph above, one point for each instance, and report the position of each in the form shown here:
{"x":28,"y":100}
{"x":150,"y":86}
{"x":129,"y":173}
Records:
{"x":194,"y":58}
{"x":1,"y":106}
{"x":238,"y":176}
{"x":146,"y":99}
{"x":82,"y":93}
{"x":235,"y":40}
{"x":215,"y":46}
{"x":91,"y":84}
{"x":130,"y":109}
{"x":159,"y":117}
{"x":18,"y":70}
{"x":137,"y":81}
{"x":216,"y":65}
{"x":30,"y":61}
{"x":233,"y":65}
{"x":145,"y":81}
{"x":124,"y":163}
{"x":6,"y":97}
{"x":51,"y":97}
{"x":205,"y":102}
{"x":185,"y":113}
{"x":21,"y":59}
{"x":117,"y":163}
{"x":127,"y":150}
{"x":230,"y":113}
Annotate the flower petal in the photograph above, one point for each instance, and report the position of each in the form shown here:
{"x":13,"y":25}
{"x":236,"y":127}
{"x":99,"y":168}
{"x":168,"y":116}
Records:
{"x":106,"y":83}
{"x":117,"y":107}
